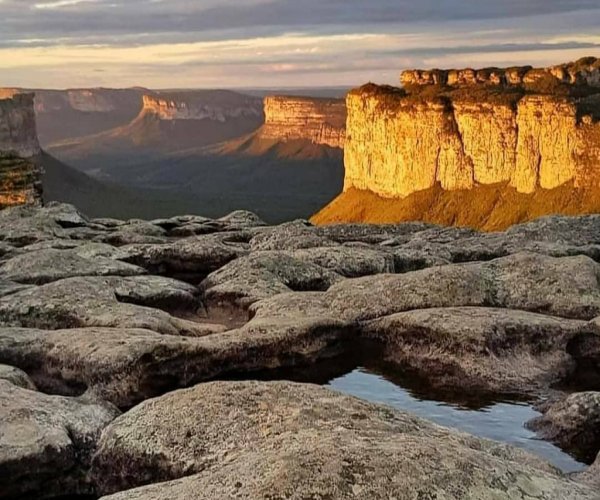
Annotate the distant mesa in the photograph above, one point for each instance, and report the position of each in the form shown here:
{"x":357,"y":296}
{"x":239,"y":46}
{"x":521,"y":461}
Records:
{"x":529,"y":135}
{"x":216,"y":105}
{"x":586,"y":71}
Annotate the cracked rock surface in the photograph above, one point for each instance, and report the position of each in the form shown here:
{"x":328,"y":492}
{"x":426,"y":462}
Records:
{"x":169,"y":320}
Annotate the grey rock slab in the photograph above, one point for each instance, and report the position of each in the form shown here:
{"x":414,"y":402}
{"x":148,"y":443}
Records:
{"x":566,"y":286}
{"x":261,"y":275}
{"x":289,"y":236}
{"x":196,"y":256}
{"x":44,"y":266}
{"x":282,"y":440}
{"x":125,"y":366}
{"x":8,"y":287}
{"x":242,"y":219}
{"x":350,"y":262}
{"x":128,"y":302}
{"x":46,"y":442}
{"x":134,"y":231}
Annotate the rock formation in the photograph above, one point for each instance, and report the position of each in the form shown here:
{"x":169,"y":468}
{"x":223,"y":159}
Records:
{"x":19,"y":176}
{"x":586,"y":71}
{"x":18,"y":133}
{"x":80,"y":111}
{"x":93,"y":318}
{"x":318,"y":120}
{"x":217,"y":106}
{"x":465,"y":130}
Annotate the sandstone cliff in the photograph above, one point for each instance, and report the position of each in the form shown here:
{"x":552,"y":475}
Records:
{"x":213,"y":105}
{"x":437,"y":133}
{"x":320,"y":121}
{"x":19,"y":177}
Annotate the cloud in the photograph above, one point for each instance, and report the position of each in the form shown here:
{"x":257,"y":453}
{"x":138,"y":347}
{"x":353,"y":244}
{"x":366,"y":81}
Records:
{"x":248,"y":42}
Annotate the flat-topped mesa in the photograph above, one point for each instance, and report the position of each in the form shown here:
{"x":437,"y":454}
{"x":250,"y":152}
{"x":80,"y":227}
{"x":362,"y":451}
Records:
{"x":19,"y":176}
{"x":399,"y":143}
{"x":585,"y":71}
{"x":217,"y":105}
{"x":318,"y":120}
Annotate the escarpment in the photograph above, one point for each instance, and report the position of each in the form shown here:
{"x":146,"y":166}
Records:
{"x":529,"y":131}
{"x":320,"y":121}
{"x":19,"y":176}
{"x":217,"y":105}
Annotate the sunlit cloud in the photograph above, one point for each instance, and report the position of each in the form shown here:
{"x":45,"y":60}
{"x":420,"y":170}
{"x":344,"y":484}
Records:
{"x":274,"y":43}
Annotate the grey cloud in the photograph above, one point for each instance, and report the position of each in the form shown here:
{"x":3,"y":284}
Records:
{"x":104,"y":19}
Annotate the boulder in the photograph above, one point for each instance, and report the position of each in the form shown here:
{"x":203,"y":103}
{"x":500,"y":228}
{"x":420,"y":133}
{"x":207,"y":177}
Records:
{"x":46,"y":442}
{"x":284,"y":440}
{"x":261,"y":275}
{"x":44,"y":266}
{"x":126,"y":366}
{"x":566,"y":287}
{"x":192,"y":258}
{"x":573,"y":423}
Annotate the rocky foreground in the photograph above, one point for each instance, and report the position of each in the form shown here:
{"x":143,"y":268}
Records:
{"x":128,"y":350}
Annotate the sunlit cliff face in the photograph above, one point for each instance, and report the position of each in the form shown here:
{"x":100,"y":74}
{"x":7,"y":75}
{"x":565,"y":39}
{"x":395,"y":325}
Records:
{"x":277,"y":43}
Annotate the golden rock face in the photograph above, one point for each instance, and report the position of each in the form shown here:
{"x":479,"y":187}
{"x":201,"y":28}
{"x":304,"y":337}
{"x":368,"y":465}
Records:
{"x":320,"y":121}
{"x":396,"y":145}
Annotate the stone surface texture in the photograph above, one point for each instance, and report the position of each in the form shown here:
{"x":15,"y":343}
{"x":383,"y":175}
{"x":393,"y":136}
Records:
{"x":101,"y":316}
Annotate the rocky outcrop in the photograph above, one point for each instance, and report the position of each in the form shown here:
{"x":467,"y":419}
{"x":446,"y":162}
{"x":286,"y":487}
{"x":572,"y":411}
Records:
{"x":18,"y":132}
{"x":19,"y":176}
{"x":46,"y":442}
{"x":572,"y":422}
{"x":298,"y":441}
{"x":586,"y":71}
{"x":212,"y":105}
{"x":92,"y":313}
{"x":320,"y":121}
{"x":399,"y":144}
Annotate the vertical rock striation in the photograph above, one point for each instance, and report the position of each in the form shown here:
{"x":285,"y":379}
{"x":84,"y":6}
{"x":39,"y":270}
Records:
{"x":19,"y":176}
{"x":318,"y":120}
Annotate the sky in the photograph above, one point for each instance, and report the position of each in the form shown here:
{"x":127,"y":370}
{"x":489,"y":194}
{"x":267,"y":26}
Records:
{"x":279,"y":43}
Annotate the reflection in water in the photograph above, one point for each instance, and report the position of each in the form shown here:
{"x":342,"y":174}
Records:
{"x":500,"y":420}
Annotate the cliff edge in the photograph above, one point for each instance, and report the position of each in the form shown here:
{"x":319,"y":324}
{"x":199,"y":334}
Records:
{"x":526,"y":135}
{"x":19,"y":175}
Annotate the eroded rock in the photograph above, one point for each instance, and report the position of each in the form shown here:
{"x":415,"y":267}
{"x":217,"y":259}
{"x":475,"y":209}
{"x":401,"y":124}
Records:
{"x":255,"y":440}
{"x":46,"y":442}
{"x":478,"y":348}
{"x":129,"y":302}
{"x":573,"y":423}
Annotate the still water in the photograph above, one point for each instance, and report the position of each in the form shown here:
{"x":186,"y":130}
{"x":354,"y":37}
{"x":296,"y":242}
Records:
{"x":499,"y":420}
